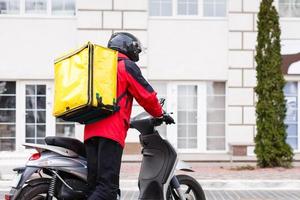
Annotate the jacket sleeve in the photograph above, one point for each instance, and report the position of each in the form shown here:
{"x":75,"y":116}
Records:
{"x":141,"y":90}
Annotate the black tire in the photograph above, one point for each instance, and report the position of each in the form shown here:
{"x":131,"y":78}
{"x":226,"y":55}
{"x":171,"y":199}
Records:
{"x":192,"y":186}
{"x":37,"y":191}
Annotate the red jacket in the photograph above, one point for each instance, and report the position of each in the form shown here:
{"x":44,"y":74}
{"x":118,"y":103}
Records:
{"x":131,"y":83}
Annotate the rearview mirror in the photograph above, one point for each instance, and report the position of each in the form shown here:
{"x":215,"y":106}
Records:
{"x":162,"y":101}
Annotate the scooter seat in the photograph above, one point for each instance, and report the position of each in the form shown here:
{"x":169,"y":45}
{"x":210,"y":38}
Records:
{"x":68,"y":143}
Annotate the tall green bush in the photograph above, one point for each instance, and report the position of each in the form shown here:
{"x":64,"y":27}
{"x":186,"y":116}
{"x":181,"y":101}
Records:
{"x":271,"y":147}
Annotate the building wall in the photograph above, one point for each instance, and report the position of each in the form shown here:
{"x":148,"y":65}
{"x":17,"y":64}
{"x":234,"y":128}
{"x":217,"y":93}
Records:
{"x":241,"y":74}
{"x":97,"y":20}
{"x":188,"y":52}
{"x":29,"y":45}
{"x":220,"y":49}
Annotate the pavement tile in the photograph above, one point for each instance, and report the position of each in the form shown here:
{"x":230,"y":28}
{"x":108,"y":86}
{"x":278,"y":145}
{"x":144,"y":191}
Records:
{"x":228,"y":195}
{"x":235,"y":195}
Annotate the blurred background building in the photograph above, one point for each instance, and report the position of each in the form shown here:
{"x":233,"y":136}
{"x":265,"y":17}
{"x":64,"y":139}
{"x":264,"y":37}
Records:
{"x":199,"y":55}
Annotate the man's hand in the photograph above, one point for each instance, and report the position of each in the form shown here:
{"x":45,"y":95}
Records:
{"x":168,"y":119}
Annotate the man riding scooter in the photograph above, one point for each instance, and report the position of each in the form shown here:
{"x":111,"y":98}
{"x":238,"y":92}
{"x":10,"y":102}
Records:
{"x":65,"y":168}
{"x":104,"y":139}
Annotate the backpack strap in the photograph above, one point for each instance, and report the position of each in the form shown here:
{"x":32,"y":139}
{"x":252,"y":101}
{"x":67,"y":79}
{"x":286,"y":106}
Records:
{"x":120,"y":59}
{"x":125,"y":92}
{"x":121,"y":97}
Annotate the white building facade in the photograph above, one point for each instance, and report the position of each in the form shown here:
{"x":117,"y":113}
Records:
{"x":199,"y":55}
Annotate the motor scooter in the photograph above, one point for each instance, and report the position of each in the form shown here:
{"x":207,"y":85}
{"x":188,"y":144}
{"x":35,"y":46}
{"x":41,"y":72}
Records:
{"x":59,"y":169}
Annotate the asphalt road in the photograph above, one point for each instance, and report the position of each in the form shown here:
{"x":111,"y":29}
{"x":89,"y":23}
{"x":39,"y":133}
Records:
{"x":228,"y":195}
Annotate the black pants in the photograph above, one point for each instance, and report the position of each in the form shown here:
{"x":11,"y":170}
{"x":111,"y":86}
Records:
{"x":104,"y":162}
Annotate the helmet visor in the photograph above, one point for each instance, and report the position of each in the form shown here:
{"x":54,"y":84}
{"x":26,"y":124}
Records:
{"x":138,"y":46}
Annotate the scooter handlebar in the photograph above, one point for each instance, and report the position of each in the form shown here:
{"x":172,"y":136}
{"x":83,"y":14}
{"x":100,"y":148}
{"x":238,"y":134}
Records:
{"x":166,"y":117}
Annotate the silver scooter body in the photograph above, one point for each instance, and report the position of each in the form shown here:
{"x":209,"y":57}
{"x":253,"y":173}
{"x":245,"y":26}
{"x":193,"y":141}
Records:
{"x":54,"y":159}
{"x":59,"y":159}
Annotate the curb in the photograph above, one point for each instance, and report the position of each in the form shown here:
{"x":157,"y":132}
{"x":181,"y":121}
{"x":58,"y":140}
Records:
{"x":232,"y":184}
{"x":212,"y":184}
{"x":250,"y":184}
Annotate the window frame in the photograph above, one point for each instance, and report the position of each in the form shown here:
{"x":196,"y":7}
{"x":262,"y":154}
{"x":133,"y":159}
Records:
{"x":172,"y":106}
{"x":35,"y":109}
{"x":21,"y":112}
{"x":20,"y":132}
{"x":298,"y":121}
{"x":214,"y":8}
{"x":51,"y":9}
{"x":22,"y":12}
{"x":16,"y":116}
{"x":44,"y":12}
{"x":200,"y":16}
{"x":15,"y":13}
{"x":200,"y":9}
{"x":276,"y":3}
{"x":201,"y":126}
{"x":294,"y":79}
{"x":225,"y":115}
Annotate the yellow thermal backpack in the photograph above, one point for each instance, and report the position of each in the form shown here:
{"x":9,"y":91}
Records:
{"x":86,"y":84}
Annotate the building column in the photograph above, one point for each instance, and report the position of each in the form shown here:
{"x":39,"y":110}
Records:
{"x":242,"y":18}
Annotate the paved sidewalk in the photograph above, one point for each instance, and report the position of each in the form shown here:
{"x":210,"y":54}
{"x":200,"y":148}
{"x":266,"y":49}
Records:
{"x":217,"y":171}
{"x":234,"y":195}
{"x":216,"y":176}
{"x":227,"y":195}
{"x":227,"y":177}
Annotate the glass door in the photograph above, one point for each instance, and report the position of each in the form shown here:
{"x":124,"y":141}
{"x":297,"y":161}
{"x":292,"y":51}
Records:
{"x":199,"y":110}
{"x":35,"y":111}
{"x":37,"y":121}
{"x":187,"y":117}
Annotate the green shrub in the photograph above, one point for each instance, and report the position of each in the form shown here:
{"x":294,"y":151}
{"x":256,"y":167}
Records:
{"x":271,"y":147}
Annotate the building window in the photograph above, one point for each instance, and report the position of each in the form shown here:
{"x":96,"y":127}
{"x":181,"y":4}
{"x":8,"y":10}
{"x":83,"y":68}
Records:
{"x":199,"y":110}
{"x":187,"y":7}
{"x":205,"y":8}
{"x":65,"y":129}
{"x":214,"y":8}
{"x":215,"y":109}
{"x":35,"y":109}
{"x":291,"y":120}
{"x":187,"y":116}
{"x":39,"y":7}
{"x":36,"y":6}
{"x":289,"y":8}
{"x":160,"y":7}
{"x":7,"y":115}
{"x":63,"y":7}
{"x":9,"y":6}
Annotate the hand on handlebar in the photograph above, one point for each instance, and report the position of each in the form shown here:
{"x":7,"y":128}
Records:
{"x":168,"y":119}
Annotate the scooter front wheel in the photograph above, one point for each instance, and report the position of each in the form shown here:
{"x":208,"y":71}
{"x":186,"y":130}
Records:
{"x":191,"y":188}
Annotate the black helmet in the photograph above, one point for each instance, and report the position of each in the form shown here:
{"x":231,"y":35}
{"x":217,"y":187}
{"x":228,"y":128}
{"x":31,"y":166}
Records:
{"x":127,"y":44}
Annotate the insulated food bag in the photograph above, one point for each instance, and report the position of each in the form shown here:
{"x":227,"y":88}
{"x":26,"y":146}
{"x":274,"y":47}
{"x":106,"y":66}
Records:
{"x":86,"y":84}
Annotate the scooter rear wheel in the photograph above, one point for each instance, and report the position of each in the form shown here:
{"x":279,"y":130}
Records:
{"x":191,"y":188}
{"x":35,"y":192}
